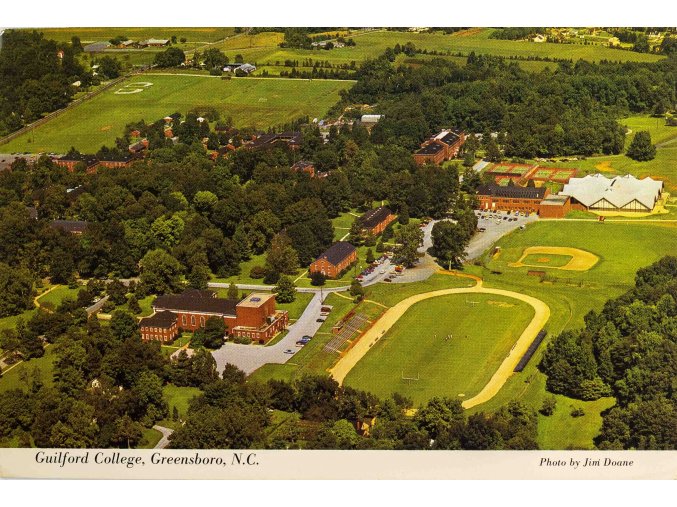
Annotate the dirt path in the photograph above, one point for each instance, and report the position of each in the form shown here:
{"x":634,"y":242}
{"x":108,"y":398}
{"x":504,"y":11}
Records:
{"x":581,"y":260}
{"x":36,"y":299}
{"x":393,"y":314}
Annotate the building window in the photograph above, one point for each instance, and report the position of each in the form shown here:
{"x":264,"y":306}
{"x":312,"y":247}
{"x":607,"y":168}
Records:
{"x":192,"y":320}
{"x":202,"y":321}
{"x":183,"y":320}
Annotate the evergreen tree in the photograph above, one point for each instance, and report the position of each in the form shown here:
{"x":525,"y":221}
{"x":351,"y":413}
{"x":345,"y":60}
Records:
{"x":640,"y":148}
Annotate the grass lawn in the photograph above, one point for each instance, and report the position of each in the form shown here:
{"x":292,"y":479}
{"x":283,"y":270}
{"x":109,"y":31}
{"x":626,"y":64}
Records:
{"x":547,"y":260}
{"x":562,"y":431}
{"x":417,"y":346}
{"x":10,"y":322}
{"x":296,"y":307}
{"x":390,"y":294}
{"x":623,"y":248}
{"x":11,"y":378}
{"x":245,"y":269}
{"x":54,"y":297}
{"x":178,"y":397}
{"x":342,"y":224}
{"x":250,"y":102}
{"x":150,"y":438}
{"x":145,"y":305}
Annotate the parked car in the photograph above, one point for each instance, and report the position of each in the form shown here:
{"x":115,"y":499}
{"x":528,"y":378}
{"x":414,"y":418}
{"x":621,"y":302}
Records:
{"x":289,"y":351}
{"x":300,"y":343}
{"x":306,"y":337}
{"x":320,"y":320}
{"x":482,"y":229}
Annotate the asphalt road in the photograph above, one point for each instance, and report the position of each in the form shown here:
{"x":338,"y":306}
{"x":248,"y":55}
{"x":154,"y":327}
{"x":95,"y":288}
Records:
{"x":164,"y":441}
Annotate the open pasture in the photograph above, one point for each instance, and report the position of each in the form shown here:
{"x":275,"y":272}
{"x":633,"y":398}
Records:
{"x":250,"y":102}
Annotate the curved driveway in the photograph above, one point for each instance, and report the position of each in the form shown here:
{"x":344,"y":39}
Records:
{"x":504,"y":371}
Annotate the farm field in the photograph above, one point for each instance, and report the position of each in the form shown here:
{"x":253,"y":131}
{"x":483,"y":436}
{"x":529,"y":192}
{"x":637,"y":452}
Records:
{"x":250,"y":102}
{"x":264,"y":49}
{"x":417,"y":347}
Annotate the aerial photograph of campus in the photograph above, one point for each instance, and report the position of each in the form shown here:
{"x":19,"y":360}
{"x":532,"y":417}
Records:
{"x":376,"y":238}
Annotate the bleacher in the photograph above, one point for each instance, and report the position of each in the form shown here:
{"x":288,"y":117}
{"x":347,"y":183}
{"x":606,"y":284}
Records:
{"x":530,"y":351}
{"x":350,"y":328}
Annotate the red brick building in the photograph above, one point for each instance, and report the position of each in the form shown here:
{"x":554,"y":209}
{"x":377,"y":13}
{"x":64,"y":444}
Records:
{"x":555,"y":206}
{"x":335,"y":259}
{"x":443,"y":146}
{"x":376,"y":220}
{"x":305,"y":167}
{"x":254,"y":317}
{"x":159,"y":326}
{"x":493,"y":197}
{"x":116,"y":161}
{"x":70,"y":162}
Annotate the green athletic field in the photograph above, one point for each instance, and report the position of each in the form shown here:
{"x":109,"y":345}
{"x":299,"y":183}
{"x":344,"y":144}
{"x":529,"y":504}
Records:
{"x":483,"y":328}
{"x":250,"y":102}
{"x":623,"y":248}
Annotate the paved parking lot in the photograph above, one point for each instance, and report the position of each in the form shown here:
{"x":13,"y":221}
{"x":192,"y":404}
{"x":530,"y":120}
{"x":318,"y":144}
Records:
{"x":496,"y":224}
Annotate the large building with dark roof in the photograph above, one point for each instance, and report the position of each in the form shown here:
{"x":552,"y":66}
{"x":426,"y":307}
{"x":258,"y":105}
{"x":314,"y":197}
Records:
{"x":254,"y":317}
{"x":376,"y":220}
{"x":335,"y":260}
{"x":441,"y":147}
{"x":290,"y":138}
{"x":71,"y":161}
{"x":72,"y":226}
{"x":494,"y":197}
{"x":159,"y":326}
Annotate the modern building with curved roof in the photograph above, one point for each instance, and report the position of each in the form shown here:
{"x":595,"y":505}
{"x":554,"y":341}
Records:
{"x":622,"y":193}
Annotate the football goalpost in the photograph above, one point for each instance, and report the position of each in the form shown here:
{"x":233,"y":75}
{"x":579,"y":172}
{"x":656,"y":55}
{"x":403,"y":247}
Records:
{"x":411,"y":379}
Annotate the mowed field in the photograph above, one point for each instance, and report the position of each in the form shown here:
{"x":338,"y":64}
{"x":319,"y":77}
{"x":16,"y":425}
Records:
{"x":452,"y":344}
{"x":622,"y":248}
{"x":250,"y":102}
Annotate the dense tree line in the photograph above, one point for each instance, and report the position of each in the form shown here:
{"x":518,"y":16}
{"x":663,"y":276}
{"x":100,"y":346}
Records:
{"x":628,"y":350}
{"x":36,"y":77}
{"x":515,"y":32}
{"x":572,"y":110}
{"x":235,"y":414}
